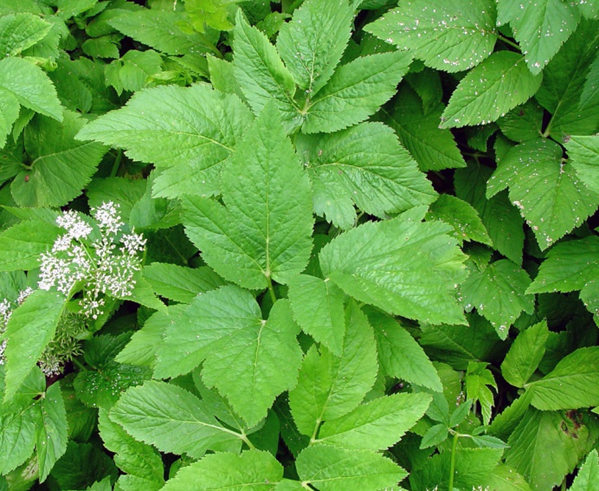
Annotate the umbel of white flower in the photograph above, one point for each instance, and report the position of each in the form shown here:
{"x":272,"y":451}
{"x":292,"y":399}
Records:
{"x":104,"y":266}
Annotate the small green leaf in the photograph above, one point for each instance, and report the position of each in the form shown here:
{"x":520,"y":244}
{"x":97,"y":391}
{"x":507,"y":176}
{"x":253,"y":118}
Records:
{"x":523,"y":122}
{"x":435,"y":435}
{"x":253,"y":470}
{"x":51,"y":435}
{"x":572,"y":384}
{"x":402,"y":266}
{"x":525,"y":354}
{"x":169,"y":418}
{"x":447,"y":35}
{"x":462,"y":217}
{"x":377,"y":424}
{"x":490,"y":90}
{"x":355,"y":92}
{"x":330,"y":468}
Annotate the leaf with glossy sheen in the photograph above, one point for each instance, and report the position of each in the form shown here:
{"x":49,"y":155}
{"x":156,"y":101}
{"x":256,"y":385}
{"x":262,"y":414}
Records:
{"x":192,"y":129}
{"x":29,"y":330}
{"x":264,"y":230}
{"x":447,"y":35}
{"x":402,"y":266}
{"x":253,"y":470}
{"x":318,"y":308}
{"x":312,"y":43}
{"x":61,"y":166}
{"x":329,"y":468}
{"x":355,"y":92}
{"x":572,"y":384}
{"x":331,"y":386}
{"x":51,"y":435}
{"x":547,"y":191}
{"x":490,"y":90}
{"x":525,"y":354}
{"x":366,"y":166}
{"x":377,"y":424}
{"x":170,"y":418}
{"x":499,"y":294}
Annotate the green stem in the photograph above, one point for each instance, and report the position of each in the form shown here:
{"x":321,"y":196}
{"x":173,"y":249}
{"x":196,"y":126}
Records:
{"x":247,"y":441}
{"x":452,"y":463}
{"x":117,"y":163}
{"x":79,"y":364}
{"x":508,"y":41}
{"x":271,"y":290}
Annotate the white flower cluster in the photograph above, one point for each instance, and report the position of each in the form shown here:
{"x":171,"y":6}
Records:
{"x":104,"y":268}
{"x":6,"y":308}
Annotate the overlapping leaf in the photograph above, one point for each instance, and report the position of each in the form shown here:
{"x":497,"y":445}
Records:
{"x":51,"y":435}
{"x":525,"y":354}
{"x":21,"y":31}
{"x":583,"y":152}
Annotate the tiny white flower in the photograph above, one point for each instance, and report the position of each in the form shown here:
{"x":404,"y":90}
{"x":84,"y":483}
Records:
{"x":24,"y":294}
{"x":76,"y":228}
{"x":108,"y":217}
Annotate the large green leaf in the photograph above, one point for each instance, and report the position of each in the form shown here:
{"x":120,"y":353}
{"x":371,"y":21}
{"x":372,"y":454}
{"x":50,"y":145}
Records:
{"x":188,"y":131}
{"x":170,"y":418}
{"x":355,"y":92}
{"x":366,"y":166}
{"x":311,"y":44}
{"x":329,"y":468}
{"x":541,"y":28}
{"x":22,"y":244}
{"x":498,"y":292}
{"x":21,"y":31}
{"x":402,"y":266}
{"x":525,"y":354}
{"x":29,"y":330}
{"x":261,"y":74}
{"x":432,"y":147}
{"x":331,"y":386}
{"x":490,"y":90}
{"x":547,"y":192}
{"x":61,"y":166}
{"x":253,"y":470}
{"x":583,"y":152}
{"x":264,"y":230}
{"x":377,"y":424}
{"x":447,"y":35}
{"x":572,"y":384}
{"x":51,"y":435}
{"x":31,"y":86}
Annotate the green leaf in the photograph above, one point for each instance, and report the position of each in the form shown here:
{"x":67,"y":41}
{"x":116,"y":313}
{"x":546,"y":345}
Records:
{"x":538,"y":431}
{"x":124,"y":191}
{"x":573,"y":383}
{"x":9,"y":112}
{"x":170,"y":418}
{"x":318,"y":308}
{"x":164,"y":30}
{"x":547,"y":192}
{"x":312,"y":44}
{"x":251,"y":367}
{"x":132,"y":457}
{"x":541,"y":29}
{"x":133,"y":70}
{"x":264,"y":230}
{"x":355,"y":92}
{"x":462,"y":217}
{"x":499,"y":294}
{"x":31,"y":86}
{"x":331,"y":386}
{"x":253,"y":470}
{"x":450,"y":36}
{"x":524,"y":122}
{"x":400,"y":355}
{"x":335,"y":469}
{"x":505,"y":478}
{"x":433,"y":148}
{"x":61,"y":166}
{"x":18,"y":430}
{"x":499,"y":216}
{"x":179,"y":283}
{"x":583,"y":152}
{"x":590,"y":92}
{"x":587,"y":478}
{"x":196,"y":127}
{"x":377,"y":424}
{"x":21,"y":31}
{"x":211,"y":13}
{"x":261,"y":74}
{"x":490,"y":90}
{"x":563,"y":84}
{"x":366,"y":166}
{"x":51,"y":430}
{"x":402,"y":266}
{"x":525,"y":354}
{"x":29,"y":330}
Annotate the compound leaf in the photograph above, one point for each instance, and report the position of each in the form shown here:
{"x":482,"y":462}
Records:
{"x":402,"y":266}
{"x":264,"y":230}
{"x":447,"y":35}
{"x":490,"y":90}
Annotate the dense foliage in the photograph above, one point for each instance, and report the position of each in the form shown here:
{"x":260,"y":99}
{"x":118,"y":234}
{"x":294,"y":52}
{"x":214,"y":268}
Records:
{"x":344,"y":245}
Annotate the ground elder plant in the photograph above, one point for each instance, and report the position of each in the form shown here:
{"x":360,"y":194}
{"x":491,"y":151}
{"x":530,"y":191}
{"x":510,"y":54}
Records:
{"x":339,"y":245}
